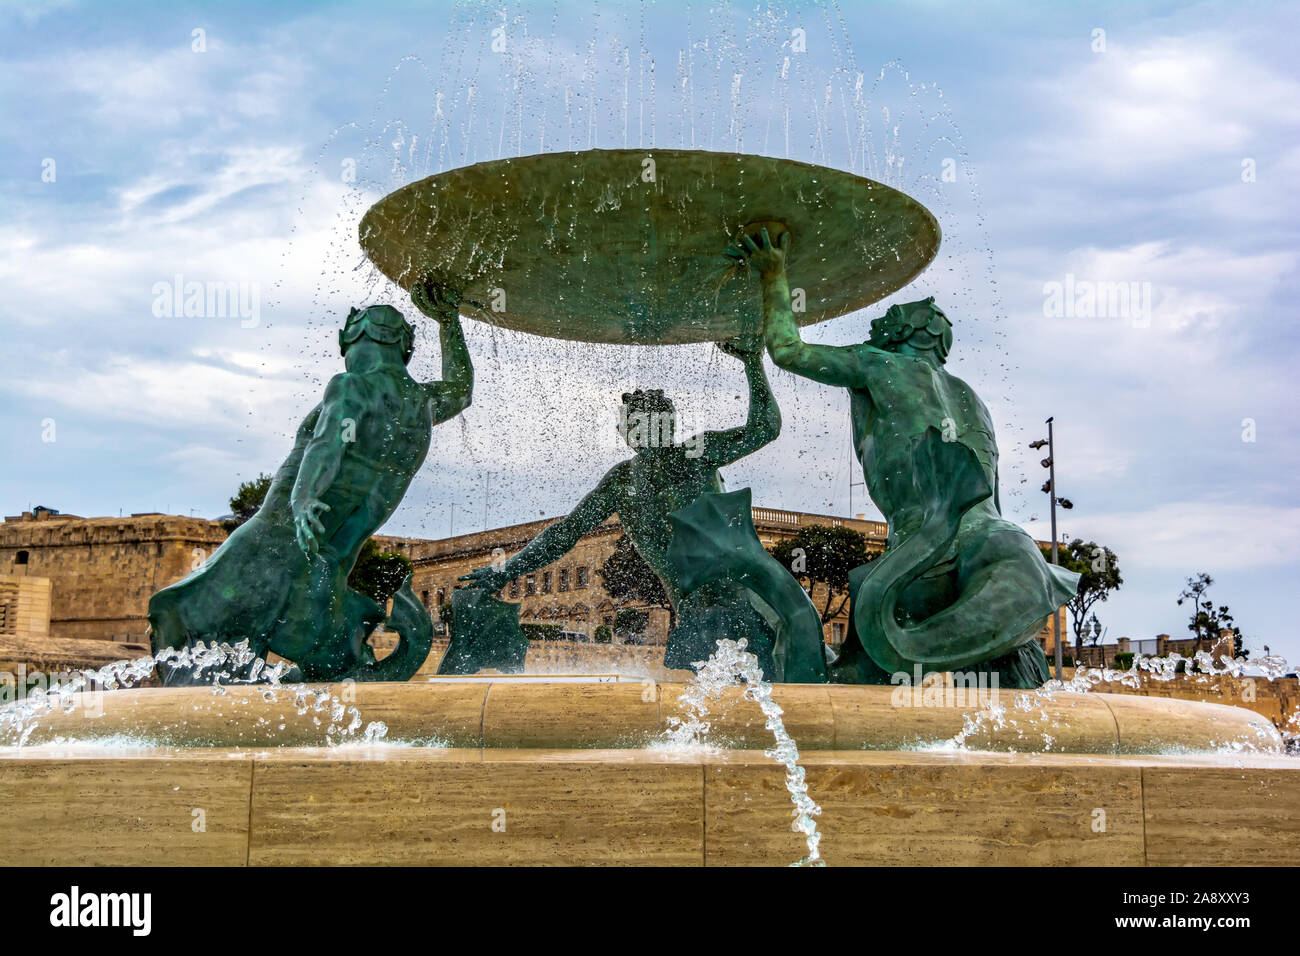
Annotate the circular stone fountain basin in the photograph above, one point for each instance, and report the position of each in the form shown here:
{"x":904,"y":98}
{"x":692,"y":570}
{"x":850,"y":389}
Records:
{"x":533,"y":713}
{"x":628,"y":246}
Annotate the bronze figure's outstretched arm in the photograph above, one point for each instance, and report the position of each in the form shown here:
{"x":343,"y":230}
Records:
{"x":559,"y":539}
{"x":453,"y":394}
{"x":828,"y":364}
{"x":764,"y":422}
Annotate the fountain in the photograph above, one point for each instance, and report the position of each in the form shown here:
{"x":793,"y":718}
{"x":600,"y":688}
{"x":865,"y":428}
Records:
{"x":333,"y":756}
{"x":278,"y":735}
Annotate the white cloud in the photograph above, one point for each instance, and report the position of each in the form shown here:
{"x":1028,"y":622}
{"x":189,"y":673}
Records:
{"x":1162,"y":103}
{"x":1193,"y":286}
{"x":202,"y":460}
{"x":1213,"y":533}
{"x":31,"y":12}
{"x":168,"y":393}
{"x":243,"y":168}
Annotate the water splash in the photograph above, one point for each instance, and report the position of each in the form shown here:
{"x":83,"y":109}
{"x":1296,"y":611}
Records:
{"x":218,"y":663}
{"x":731,"y":666}
{"x":1202,"y":668}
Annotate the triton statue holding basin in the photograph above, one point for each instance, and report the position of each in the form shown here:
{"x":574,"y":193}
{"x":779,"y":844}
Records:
{"x":667,"y":482}
{"x":625,"y":246}
{"x":280,"y":580}
{"x":958,"y":587}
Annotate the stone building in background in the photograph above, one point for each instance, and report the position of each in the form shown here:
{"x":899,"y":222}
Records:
{"x":570,"y":592}
{"x":102,"y":571}
{"x":74,"y":591}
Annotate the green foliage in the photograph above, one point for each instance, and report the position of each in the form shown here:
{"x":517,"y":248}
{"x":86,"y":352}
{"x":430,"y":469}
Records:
{"x":542,"y":632}
{"x":631,"y":624}
{"x":1124,"y":661}
{"x":824,"y":554}
{"x":247,"y":500}
{"x":627,"y":578}
{"x":1099,"y":578}
{"x":604,"y":634}
{"x":378,"y":574}
{"x":1208,"y":621}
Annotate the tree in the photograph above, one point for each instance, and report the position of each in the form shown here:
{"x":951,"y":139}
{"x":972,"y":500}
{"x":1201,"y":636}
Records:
{"x":247,"y":500}
{"x":1207,"y":621}
{"x":627,"y":578}
{"x":1099,"y":578}
{"x":824,"y":554}
{"x":542,"y":632}
{"x":378,"y":574}
{"x":631,"y":624}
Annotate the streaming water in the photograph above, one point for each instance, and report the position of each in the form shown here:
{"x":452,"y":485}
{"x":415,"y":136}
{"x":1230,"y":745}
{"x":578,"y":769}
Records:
{"x":339,"y":721}
{"x":1027,"y":713}
{"x":776,"y":79}
{"x":731,"y":666}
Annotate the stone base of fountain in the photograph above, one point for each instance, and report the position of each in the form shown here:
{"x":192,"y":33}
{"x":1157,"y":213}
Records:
{"x":506,"y":771}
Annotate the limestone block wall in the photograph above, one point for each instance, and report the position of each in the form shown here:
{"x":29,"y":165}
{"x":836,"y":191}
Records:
{"x":24,"y":605}
{"x":102,"y":571}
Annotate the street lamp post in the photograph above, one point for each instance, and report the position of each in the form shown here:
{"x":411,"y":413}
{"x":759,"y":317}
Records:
{"x":1056,"y":615}
{"x":1050,"y":488}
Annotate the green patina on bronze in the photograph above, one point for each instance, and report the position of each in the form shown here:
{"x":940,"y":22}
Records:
{"x":958,"y":587}
{"x":280,"y":580}
{"x":714,"y":544}
{"x":624,"y":245}
{"x":485,"y":635}
{"x":669,"y":499}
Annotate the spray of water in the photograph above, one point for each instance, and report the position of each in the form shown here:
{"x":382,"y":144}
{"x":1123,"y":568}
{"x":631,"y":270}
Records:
{"x":731,"y":666}
{"x":1202,"y":668}
{"x":339,"y":722}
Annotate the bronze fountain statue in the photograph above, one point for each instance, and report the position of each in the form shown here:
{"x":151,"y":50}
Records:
{"x":958,"y":586}
{"x":280,"y":580}
{"x":663,"y":480}
{"x":631,"y":247}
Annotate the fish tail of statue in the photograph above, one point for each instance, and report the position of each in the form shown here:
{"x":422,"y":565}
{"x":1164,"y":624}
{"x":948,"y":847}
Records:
{"x":410,"y":619}
{"x":714,"y":542}
{"x":485,"y":635}
{"x":1005,"y":590}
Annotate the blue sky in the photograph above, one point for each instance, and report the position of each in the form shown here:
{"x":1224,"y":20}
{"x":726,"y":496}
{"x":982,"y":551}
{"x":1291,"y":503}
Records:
{"x":1162,"y":153}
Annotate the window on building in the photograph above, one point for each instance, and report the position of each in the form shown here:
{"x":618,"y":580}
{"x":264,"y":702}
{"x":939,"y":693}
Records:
{"x":546,"y":582}
{"x":21,"y":557}
{"x":514,"y":588}
{"x":442,"y":596}
{"x":530,"y":586}
{"x":564,"y":579}
{"x":582,"y":578}
{"x":424,"y":598}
